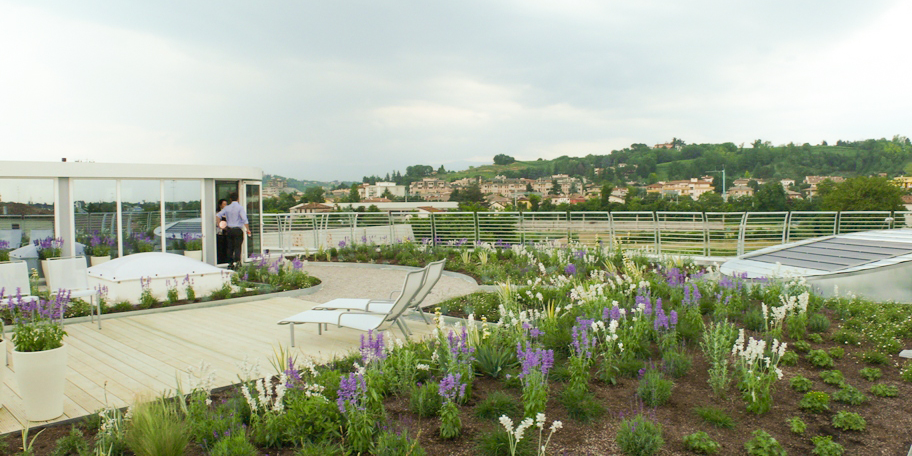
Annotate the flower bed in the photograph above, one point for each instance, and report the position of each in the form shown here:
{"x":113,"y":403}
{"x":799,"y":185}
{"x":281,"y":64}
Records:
{"x":629,"y":357}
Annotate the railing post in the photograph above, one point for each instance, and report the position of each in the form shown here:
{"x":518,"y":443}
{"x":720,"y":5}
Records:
{"x":475,"y":217}
{"x":788,"y":227}
{"x":657,"y":237}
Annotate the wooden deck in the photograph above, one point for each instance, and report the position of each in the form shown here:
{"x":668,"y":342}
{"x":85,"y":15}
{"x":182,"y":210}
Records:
{"x":146,"y":354}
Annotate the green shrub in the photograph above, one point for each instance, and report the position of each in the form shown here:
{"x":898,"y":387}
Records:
{"x":906,"y":372}
{"x":815,"y":338}
{"x":157,"y":429}
{"x":560,"y":373}
{"x":425,"y":400}
{"x":73,"y":444}
{"x":875,"y":357}
{"x":321,"y":449}
{"x":763,"y":444}
{"x":836,"y":352}
{"x":850,"y":395}
{"x":329,"y":379}
{"x":802,"y":346}
{"x":815,"y":401}
{"x":630,"y":367}
{"x":848,"y":421}
{"x":498,"y":404}
{"x":715,"y":416}
{"x":676,"y":363}
{"x":825,"y":446}
{"x":497,"y":443}
{"x":397,"y":444}
{"x":796,"y":325}
{"x":753,"y":320}
{"x":581,"y":405}
{"x":700,"y":442}
{"x":884,"y":390}
{"x":818,"y":323}
{"x":789,"y":358}
{"x":234,"y":445}
{"x":870,"y":373}
{"x":493,"y":360}
{"x":654,"y":388}
{"x":796,"y":425}
{"x":820,"y":358}
{"x":801,"y":383}
{"x":846,"y":337}
{"x":690,"y":327}
{"x":832,"y":377}
{"x":639,"y":436}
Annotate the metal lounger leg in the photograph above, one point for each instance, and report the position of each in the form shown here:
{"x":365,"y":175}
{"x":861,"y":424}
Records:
{"x":423,"y":317}
{"x":402,"y":328}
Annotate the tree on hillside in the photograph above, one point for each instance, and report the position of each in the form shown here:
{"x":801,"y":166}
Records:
{"x":441,"y":170}
{"x":860,"y":194}
{"x":534,"y":202}
{"x":770,"y":197}
{"x":503,"y":159}
{"x":313,"y":195}
{"x":353,"y":196}
{"x":555,"y":188}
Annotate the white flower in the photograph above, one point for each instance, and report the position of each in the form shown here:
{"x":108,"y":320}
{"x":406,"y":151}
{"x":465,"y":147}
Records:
{"x":540,"y":420}
{"x":556,"y":425}
{"x":422,"y":367}
{"x":507,"y":423}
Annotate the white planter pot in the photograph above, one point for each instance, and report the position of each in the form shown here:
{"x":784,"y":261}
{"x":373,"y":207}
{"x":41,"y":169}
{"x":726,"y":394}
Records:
{"x":96,"y":260}
{"x":195,"y":254}
{"x":41,"y":377}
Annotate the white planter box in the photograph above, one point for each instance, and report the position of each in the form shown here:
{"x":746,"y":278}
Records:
{"x":41,"y":377}
{"x":96,"y":260}
{"x":195,"y":254}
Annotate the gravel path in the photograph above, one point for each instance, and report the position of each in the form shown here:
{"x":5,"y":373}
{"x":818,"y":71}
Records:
{"x":352,"y":280}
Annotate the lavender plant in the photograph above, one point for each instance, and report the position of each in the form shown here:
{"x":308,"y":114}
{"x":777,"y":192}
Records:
{"x":716,"y":344}
{"x":451,"y":389}
{"x":188,"y":288}
{"x":146,"y":299}
{"x":49,"y":247}
{"x":39,"y":322}
{"x":536,"y":362}
{"x":172,"y":295}
{"x":359,"y":425}
{"x":583,"y":345}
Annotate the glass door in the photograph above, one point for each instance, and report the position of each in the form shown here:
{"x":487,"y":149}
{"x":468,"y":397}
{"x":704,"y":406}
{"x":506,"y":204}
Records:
{"x":253,"y":204}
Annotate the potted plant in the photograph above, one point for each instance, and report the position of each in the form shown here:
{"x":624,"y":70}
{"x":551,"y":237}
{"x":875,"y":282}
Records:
{"x":193,"y":246}
{"x":48,"y":248}
{"x":4,"y":251}
{"x":142,"y":242}
{"x":39,"y":355}
{"x":100,"y":248}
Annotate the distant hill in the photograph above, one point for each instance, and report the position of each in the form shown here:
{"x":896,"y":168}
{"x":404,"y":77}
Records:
{"x":304,"y":184}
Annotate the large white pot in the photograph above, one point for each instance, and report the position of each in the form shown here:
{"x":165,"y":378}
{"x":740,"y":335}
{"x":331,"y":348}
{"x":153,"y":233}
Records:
{"x":41,"y":377}
{"x":96,"y":260}
{"x":195,"y":254}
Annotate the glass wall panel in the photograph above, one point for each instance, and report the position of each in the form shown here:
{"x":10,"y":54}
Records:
{"x":95,"y":215}
{"x":141,"y":211}
{"x":253,"y":216}
{"x":183,"y":229}
{"x":26,"y":211}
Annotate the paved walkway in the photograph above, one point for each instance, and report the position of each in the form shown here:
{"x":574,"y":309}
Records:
{"x":145,"y":354}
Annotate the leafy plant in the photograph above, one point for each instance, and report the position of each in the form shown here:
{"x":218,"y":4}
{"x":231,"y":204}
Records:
{"x":850,"y":395}
{"x":836,"y":352}
{"x":398,"y":443}
{"x":676,"y":363}
{"x":321,"y":449}
{"x":832,"y":377}
{"x":801,"y":383}
{"x":815,"y":401}
{"x":496,"y":405}
{"x":825,"y":446}
{"x":74,"y":443}
{"x":233,"y":445}
{"x":796,"y":425}
{"x":716,"y":344}
{"x":818,"y":323}
{"x":849,"y":421}
{"x":654,"y":388}
{"x":497,"y":443}
{"x":493,"y":360}
{"x":875,"y":357}
{"x":870,"y":373}
{"x":715,"y":416}
{"x":700,"y":442}
{"x":820,"y":358}
{"x":884,"y":390}
{"x":763,"y":444}
{"x":39,"y":325}
{"x":639,"y":436}
{"x":789,"y":358}
{"x":815,"y":338}
{"x":906,"y":372}
{"x":802,"y":346}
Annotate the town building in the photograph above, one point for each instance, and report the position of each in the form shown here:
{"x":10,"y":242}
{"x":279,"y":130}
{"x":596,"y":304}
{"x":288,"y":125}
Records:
{"x":369,"y":191}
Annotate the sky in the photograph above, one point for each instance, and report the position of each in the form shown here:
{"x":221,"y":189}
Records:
{"x":335,"y":90}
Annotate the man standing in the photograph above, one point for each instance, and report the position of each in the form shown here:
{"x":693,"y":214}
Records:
{"x":236,"y":216}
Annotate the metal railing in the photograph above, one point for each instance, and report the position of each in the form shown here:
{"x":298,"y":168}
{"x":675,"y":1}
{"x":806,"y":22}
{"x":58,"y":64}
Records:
{"x":682,"y":233}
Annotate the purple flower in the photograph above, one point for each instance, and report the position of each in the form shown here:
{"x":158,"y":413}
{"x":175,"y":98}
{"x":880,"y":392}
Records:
{"x":341,"y":244}
{"x":674,"y":277}
{"x":451,"y":387}
{"x":4,"y":245}
{"x":372,"y":347}
{"x":292,"y":373}
{"x":534,"y":358}
{"x":351,"y":391}
{"x":661,"y":321}
{"x":582,"y":343}
{"x":297,"y":264}
{"x":673,"y":318}
{"x":570,"y":269}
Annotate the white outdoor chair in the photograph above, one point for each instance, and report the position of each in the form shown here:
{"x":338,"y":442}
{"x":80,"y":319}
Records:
{"x":13,"y":237}
{"x":380,"y":318}
{"x":71,"y":274}
{"x":434,"y":271}
{"x":14,"y":278}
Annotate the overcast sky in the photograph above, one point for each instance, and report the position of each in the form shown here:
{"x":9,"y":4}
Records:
{"x":337,"y":89}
